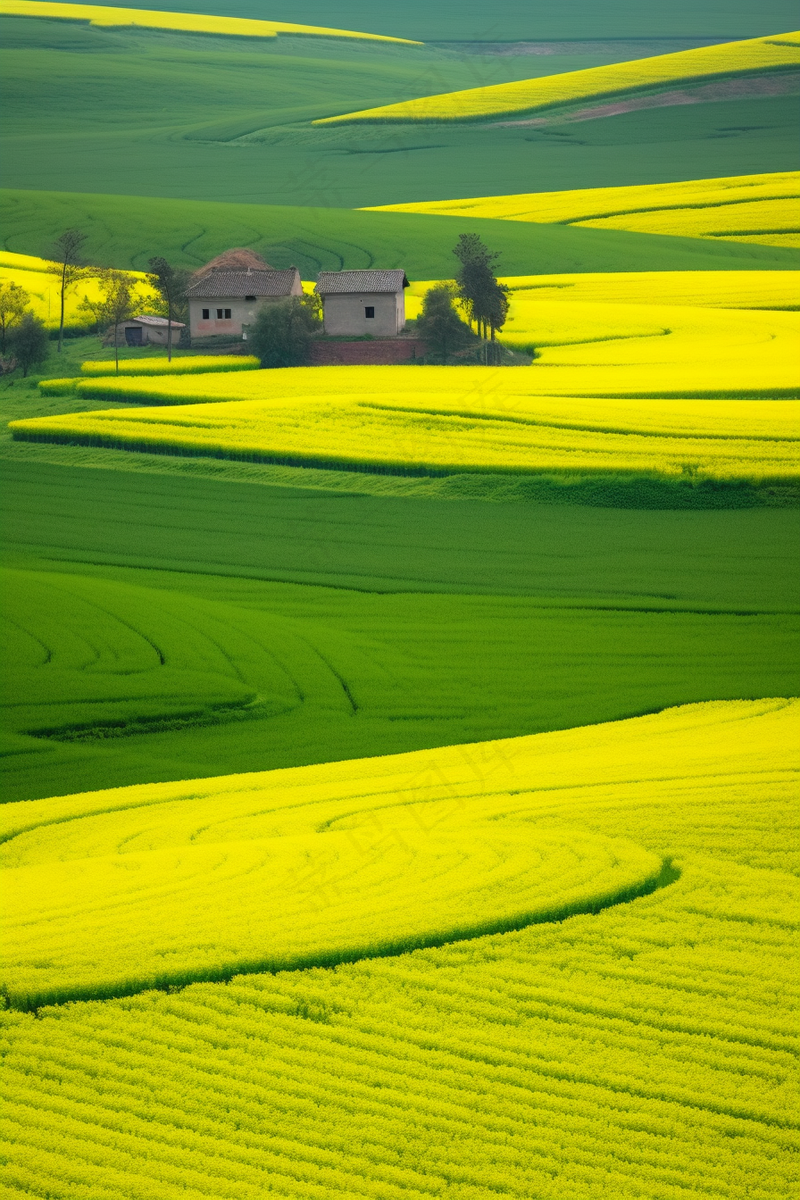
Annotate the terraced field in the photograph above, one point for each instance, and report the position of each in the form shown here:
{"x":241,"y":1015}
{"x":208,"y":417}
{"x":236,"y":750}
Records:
{"x":760,"y":209}
{"x":643,"y":1050}
{"x":600,"y":400}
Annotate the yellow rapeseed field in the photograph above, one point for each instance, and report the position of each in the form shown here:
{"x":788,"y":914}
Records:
{"x":745,"y":208}
{"x":693,"y":289}
{"x":564,"y":418}
{"x":43,"y":287}
{"x":195,"y":365}
{"x":623,"y":389}
{"x":185,"y":22}
{"x":529,"y":95}
{"x":108,"y":893}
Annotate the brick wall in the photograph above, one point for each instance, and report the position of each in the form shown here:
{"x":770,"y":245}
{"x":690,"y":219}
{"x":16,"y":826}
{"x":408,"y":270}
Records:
{"x":378,"y":352}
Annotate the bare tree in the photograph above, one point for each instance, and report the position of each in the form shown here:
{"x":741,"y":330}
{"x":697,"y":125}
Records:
{"x":119,"y":299}
{"x":14,"y":302}
{"x":68,"y":268}
{"x":171,"y":282}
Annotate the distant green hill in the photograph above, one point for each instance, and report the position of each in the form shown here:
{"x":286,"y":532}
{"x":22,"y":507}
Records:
{"x":210,"y":118}
{"x":125,"y":231}
{"x":514,"y":20}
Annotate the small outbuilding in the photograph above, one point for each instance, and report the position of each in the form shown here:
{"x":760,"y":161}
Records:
{"x":355,"y":303}
{"x":227,"y":302}
{"x":145,"y":331}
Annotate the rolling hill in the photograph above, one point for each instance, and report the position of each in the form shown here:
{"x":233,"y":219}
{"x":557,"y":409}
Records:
{"x":761,"y":209}
{"x":168,"y":113}
{"x":125,"y":231}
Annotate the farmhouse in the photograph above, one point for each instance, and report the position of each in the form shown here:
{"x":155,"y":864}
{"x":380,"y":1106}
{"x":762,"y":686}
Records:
{"x":355,"y":303}
{"x":228,"y":301}
{"x":145,"y":331}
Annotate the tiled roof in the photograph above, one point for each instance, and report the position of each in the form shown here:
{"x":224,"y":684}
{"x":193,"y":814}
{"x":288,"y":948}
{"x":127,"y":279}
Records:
{"x":334,"y":283}
{"x":146,"y":319}
{"x":235,"y":284}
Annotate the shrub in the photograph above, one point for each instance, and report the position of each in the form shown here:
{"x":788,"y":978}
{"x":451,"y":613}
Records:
{"x":440,"y":325}
{"x":281,"y":334}
{"x":29,"y":342}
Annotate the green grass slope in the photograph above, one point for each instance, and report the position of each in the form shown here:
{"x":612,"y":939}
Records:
{"x":168,"y":627}
{"x":95,"y":110}
{"x":515,"y":20}
{"x":125,"y":231}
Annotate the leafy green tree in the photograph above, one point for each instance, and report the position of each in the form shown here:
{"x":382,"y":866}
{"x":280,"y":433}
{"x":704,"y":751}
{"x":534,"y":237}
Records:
{"x":67,"y":266}
{"x":171,"y":283}
{"x":14,"y":302}
{"x":281,"y":333}
{"x":484,"y":298}
{"x":439,"y":323}
{"x":29,"y":342}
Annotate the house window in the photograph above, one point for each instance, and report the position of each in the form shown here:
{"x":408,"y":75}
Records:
{"x":250,"y":299}
{"x":227,"y":314}
{"x":369,"y":311}
{"x":206,"y":313}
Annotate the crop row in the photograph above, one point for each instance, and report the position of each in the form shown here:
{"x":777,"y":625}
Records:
{"x":201,"y":364}
{"x":778,"y":52}
{"x":751,"y":208}
{"x":643,"y":1052}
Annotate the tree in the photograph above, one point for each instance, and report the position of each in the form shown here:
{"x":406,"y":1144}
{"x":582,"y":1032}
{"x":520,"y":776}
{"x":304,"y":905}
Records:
{"x":30,"y":342}
{"x":281,"y":333}
{"x":14,"y":301}
{"x":67,"y":266}
{"x":483,"y":297}
{"x":119,"y":299}
{"x":439,"y":323}
{"x":171,"y":283}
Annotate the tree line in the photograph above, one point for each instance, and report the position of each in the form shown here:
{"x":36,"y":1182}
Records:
{"x":119,"y":297}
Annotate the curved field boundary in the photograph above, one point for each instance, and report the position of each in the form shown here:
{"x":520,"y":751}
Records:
{"x":732,"y":207}
{"x":146,"y":18}
{"x":731,"y":59}
{"x":661,"y":876}
{"x":161,"y":885}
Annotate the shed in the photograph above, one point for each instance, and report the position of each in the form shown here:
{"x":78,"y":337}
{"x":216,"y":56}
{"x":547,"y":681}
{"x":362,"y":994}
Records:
{"x":355,"y":303}
{"x":229,"y":301}
{"x":144,"y":330}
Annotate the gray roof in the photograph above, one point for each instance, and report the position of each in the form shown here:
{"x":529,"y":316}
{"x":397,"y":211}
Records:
{"x":146,"y":319}
{"x":234,"y":284}
{"x":335,"y":283}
